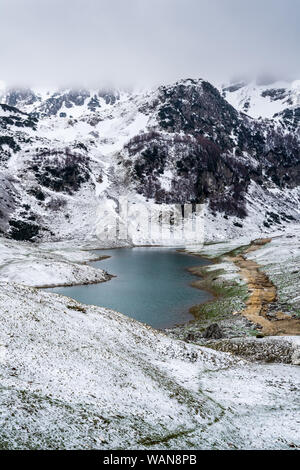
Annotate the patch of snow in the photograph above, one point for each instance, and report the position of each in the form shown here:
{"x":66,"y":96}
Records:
{"x":47,"y":265}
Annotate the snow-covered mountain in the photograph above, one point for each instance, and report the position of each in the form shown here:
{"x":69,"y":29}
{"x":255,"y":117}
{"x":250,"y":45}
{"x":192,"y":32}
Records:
{"x":65,"y":152}
{"x":279,"y":100}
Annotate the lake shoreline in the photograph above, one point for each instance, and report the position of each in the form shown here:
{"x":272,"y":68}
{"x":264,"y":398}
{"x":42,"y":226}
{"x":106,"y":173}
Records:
{"x":206,"y":283}
{"x":188,"y":269}
{"x":252,"y":318}
{"x":171,"y":308}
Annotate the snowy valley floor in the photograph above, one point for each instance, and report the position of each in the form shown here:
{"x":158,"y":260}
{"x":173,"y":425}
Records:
{"x":77,"y":376}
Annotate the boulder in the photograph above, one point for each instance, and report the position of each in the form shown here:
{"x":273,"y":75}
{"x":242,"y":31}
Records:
{"x":213,"y":332}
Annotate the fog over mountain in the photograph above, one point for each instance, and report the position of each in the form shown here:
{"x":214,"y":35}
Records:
{"x":142,"y":42}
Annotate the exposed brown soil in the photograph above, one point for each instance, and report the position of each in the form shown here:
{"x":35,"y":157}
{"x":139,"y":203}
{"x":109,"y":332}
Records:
{"x":262,"y":293}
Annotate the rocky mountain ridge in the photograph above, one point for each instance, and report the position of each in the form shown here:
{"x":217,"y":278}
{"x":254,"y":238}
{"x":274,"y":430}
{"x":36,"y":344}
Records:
{"x":62,"y":154}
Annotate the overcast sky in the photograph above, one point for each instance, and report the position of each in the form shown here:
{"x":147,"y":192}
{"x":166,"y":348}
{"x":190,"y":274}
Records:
{"x":145,"y":42}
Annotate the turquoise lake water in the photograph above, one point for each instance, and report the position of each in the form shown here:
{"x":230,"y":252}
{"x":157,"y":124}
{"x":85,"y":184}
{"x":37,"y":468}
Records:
{"x":152,"y":285}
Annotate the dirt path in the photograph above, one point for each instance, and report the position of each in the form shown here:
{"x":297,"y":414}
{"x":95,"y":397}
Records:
{"x":262,"y":293}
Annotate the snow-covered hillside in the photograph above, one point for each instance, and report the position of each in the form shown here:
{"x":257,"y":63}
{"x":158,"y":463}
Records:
{"x":84,"y":377}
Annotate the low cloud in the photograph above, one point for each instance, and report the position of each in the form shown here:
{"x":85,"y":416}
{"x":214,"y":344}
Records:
{"x":145,"y":42}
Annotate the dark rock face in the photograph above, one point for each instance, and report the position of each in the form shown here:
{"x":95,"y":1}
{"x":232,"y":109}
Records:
{"x":195,"y":107}
{"x":20,"y":97}
{"x":68,"y":99}
{"x":7,"y":141}
{"x":275,"y":94}
{"x":215,"y":152}
{"x":290,"y":119}
{"x":60,"y":171}
{"x":37,"y":193}
{"x":71,"y":98}
{"x":213,"y":332}
{"x":14,"y":117}
{"x":200,"y":172}
{"x":22,"y":230}
{"x":109,"y":96}
{"x":9,"y":199}
{"x":94,"y":103}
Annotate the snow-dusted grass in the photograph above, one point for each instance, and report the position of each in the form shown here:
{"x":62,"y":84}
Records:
{"x":76,"y":376}
{"x":230,"y":295}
